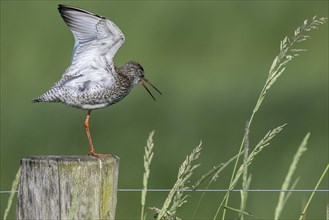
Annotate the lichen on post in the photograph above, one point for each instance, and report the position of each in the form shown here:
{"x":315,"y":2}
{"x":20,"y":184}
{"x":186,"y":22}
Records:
{"x":68,"y":187}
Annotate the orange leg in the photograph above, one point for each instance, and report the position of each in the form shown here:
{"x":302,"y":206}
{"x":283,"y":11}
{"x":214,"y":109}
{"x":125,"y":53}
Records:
{"x":92,"y":150}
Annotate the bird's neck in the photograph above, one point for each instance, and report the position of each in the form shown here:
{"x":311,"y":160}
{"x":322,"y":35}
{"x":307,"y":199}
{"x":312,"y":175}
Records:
{"x":122,"y":76}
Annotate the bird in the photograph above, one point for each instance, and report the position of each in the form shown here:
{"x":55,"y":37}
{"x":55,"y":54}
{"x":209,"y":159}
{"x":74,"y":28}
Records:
{"x":92,"y":81}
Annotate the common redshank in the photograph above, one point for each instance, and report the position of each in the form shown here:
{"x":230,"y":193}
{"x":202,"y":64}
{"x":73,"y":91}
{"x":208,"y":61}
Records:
{"x":92,"y":81}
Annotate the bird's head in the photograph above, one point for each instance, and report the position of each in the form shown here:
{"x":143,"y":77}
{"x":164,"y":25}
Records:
{"x":136,"y":72}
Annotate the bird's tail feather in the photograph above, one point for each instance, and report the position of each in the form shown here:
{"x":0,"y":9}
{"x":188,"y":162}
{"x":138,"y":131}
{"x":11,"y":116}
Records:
{"x":48,"y":96}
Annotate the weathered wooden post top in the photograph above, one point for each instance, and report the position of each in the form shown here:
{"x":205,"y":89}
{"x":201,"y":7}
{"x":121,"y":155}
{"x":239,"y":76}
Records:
{"x":68,"y":187}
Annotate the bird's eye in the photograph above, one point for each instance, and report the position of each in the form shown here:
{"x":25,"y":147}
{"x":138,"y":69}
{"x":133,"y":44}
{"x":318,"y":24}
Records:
{"x":140,"y":73}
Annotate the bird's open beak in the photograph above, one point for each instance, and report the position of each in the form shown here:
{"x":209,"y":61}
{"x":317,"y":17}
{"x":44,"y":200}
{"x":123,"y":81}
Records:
{"x":143,"y":82}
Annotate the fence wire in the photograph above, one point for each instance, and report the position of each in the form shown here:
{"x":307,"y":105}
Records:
{"x":225,"y":190}
{"x":210,"y":190}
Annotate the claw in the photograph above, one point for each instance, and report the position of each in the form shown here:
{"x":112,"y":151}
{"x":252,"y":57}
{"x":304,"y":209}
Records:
{"x":98,"y":155}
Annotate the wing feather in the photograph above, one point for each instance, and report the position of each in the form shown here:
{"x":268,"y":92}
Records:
{"x":95,"y":36}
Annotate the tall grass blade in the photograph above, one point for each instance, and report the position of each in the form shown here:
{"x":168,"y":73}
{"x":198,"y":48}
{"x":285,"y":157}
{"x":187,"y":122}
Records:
{"x":293,"y":186}
{"x":175,"y":197}
{"x":259,"y":148}
{"x":214,"y":172}
{"x":311,"y":197}
{"x":14,"y":188}
{"x":238,"y":211}
{"x":244,"y":196}
{"x":285,"y":186}
{"x":245,"y":179}
{"x":286,"y":54}
{"x":148,"y":155}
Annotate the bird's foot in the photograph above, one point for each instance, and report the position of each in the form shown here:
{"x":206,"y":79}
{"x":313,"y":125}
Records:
{"x":92,"y":153}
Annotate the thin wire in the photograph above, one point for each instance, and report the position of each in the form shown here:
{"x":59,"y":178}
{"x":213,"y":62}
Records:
{"x":212,"y":190}
{"x":225,"y":190}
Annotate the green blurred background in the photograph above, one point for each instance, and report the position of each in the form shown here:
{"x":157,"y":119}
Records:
{"x":210,"y":59}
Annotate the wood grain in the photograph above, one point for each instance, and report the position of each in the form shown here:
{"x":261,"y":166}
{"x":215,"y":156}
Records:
{"x":68,"y":187}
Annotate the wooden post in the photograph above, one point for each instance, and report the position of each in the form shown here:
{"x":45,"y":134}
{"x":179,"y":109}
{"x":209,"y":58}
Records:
{"x":68,"y":187}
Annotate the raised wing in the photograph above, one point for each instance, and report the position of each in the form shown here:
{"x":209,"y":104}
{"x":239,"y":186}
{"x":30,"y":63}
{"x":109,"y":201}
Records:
{"x":96,"y":37}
